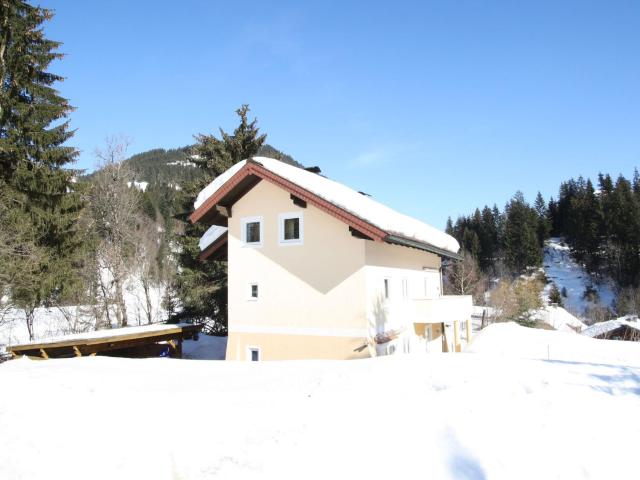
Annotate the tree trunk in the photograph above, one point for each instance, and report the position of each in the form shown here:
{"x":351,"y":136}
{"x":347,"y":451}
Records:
{"x":122,"y":309}
{"x":30,"y":314}
{"x":105,"y":298}
{"x":147,"y":298}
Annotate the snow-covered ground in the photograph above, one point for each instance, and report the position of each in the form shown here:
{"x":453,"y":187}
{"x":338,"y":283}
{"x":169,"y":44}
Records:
{"x":510,"y":340}
{"x":561,"y":268}
{"x":486,"y":415}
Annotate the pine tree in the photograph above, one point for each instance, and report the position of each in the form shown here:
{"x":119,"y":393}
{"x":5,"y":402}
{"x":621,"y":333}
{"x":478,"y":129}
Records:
{"x":449,"y":228}
{"x":33,"y":155}
{"x":544,"y":226}
{"x":522,"y":249}
{"x":202,"y":286}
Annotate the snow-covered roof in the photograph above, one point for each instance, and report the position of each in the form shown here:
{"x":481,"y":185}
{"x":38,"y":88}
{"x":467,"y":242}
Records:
{"x":601,"y":328}
{"x":110,"y":332}
{"x":211,"y":235}
{"x":362,"y":206}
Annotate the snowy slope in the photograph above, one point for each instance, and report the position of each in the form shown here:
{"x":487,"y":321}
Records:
{"x":444,"y":416}
{"x":561,"y":268}
{"x":510,"y":340}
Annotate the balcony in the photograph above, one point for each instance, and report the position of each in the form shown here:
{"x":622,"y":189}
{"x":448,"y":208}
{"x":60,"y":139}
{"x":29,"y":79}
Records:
{"x":445,"y":309}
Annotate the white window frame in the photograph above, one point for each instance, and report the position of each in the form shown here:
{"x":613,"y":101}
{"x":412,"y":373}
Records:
{"x":243,"y":231}
{"x":284,"y":216}
{"x":251,"y":349}
{"x":250,"y":296}
{"x":405,"y":288}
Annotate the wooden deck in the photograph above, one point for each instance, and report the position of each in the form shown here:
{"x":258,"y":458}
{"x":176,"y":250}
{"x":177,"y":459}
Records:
{"x":134,"y":342}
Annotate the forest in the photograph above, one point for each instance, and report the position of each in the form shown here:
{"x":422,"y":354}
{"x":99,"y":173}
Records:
{"x":601,"y":224}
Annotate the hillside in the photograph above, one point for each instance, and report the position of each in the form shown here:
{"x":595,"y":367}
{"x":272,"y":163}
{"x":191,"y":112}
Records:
{"x":173,"y":167}
{"x":491,"y":414}
{"x":583,"y":292}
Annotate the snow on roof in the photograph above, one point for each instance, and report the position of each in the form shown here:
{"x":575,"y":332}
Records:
{"x":344,"y":197}
{"x":559,"y":318}
{"x":610,"y":325}
{"x":210,"y":236}
{"x":110,"y":332}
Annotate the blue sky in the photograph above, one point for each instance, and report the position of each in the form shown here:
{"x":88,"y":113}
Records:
{"x":432,"y":107}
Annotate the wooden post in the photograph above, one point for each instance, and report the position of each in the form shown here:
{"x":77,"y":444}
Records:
{"x":43,"y":353}
{"x":456,"y":336}
{"x":445,"y":344}
{"x":76,"y":350}
{"x":469,"y":328}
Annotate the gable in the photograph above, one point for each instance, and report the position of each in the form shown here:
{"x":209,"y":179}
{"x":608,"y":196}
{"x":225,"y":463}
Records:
{"x":215,"y":204}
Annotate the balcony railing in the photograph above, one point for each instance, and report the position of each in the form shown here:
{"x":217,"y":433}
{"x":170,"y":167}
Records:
{"x":444,"y":309}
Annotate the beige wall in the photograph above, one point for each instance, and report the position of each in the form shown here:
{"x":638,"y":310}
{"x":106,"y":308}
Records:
{"x":395,"y":256}
{"x":295,"y":347}
{"x":315,"y":291}
{"x":411,"y":274}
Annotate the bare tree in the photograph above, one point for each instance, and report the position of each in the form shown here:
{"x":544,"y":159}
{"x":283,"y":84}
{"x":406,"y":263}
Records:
{"x":463,"y":277}
{"x":149,"y":268}
{"x":114,"y":205}
{"x":517,"y":300}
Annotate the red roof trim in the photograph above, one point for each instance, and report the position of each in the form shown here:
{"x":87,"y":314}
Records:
{"x":214,"y":247}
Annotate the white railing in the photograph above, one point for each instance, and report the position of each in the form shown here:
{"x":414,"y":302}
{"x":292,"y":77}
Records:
{"x":444,"y":309}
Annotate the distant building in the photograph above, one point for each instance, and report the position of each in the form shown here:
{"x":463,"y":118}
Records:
{"x":318,"y":270}
{"x":624,"y":328}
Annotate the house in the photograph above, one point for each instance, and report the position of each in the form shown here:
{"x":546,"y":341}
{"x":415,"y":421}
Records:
{"x":318,"y":270}
{"x":623,"y":328}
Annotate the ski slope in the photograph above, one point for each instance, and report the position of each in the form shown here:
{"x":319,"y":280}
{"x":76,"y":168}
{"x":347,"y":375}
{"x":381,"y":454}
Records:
{"x":499,"y":413}
{"x":561,"y":268}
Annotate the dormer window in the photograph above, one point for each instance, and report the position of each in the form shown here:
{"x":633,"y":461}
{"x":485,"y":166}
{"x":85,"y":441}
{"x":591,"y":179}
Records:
{"x":290,"y":228}
{"x":252,"y":231}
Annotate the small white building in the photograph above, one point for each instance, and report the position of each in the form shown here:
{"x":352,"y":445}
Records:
{"x":318,"y":270}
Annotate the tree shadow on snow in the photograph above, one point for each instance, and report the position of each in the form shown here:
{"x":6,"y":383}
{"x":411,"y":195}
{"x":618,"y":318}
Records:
{"x":462,"y":464}
{"x":619,"y":379}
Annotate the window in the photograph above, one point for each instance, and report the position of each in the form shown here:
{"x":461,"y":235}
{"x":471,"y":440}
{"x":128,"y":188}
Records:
{"x":387,"y":282}
{"x":253,"y":354}
{"x":252,"y":294}
{"x":290,"y":228}
{"x":252,"y":231}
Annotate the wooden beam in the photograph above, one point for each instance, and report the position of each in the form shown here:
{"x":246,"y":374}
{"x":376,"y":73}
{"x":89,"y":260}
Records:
{"x":456,"y":336}
{"x":359,"y":234}
{"x":43,"y":354}
{"x":224,"y":210}
{"x":76,"y":350}
{"x":298,"y":201}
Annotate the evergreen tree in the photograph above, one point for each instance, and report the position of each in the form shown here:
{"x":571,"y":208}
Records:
{"x":544,"y":226}
{"x":202,"y":286}
{"x":522,"y":249}
{"x":449,"y":228}
{"x":33,"y":157}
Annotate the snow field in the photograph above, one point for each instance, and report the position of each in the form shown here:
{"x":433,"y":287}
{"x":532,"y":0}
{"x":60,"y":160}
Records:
{"x":446,"y":416}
